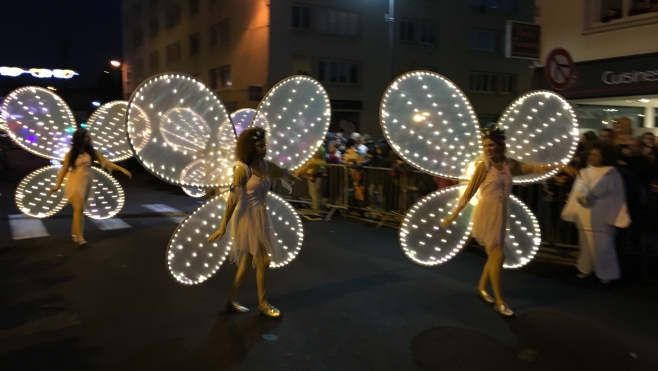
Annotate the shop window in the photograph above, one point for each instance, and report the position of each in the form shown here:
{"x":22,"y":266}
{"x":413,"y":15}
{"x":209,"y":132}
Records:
{"x":301,"y":17}
{"x":483,"y":40}
{"x":605,"y":15}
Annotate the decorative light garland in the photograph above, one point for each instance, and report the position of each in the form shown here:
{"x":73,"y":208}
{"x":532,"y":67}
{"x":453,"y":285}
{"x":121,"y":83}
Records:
{"x":541,"y":127}
{"x":42,"y":73}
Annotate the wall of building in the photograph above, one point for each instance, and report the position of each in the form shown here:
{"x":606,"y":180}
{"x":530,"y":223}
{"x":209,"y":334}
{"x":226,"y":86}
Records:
{"x":246,"y":52}
{"x":564,"y":25}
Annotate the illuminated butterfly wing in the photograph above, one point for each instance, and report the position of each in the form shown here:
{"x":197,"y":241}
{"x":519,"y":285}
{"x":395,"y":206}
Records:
{"x":541,"y":128}
{"x":242,"y":119}
{"x":523,"y":235}
{"x":192,"y":260}
{"x":108,"y":131}
{"x":39,"y":121}
{"x":421,"y":236}
{"x":187,"y":124}
{"x":430,"y":123}
{"x":194,"y":192}
{"x":106,"y":197}
{"x":296,"y":112}
{"x":32,"y":197}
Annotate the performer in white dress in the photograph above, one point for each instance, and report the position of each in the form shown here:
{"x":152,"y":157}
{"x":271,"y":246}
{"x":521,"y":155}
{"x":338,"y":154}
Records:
{"x":493,"y":179}
{"x":76,"y":169}
{"x":251,"y":230}
{"x":597,"y":205}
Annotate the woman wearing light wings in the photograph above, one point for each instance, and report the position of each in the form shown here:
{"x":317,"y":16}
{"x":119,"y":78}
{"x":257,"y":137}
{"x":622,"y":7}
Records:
{"x":40,"y":122}
{"x":254,"y":238}
{"x":431,"y":125}
{"x":493,"y":179}
{"x":191,"y":142}
{"x":76,"y":168}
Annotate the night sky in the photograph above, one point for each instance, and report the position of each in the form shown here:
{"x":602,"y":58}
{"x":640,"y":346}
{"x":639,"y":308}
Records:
{"x":33,"y":32}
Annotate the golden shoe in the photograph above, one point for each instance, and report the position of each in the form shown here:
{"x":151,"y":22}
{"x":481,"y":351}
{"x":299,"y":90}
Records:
{"x":485,"y":296}
{"x":269,"y":311}
{"x":235,"y":306}
{"x":503,"y":310}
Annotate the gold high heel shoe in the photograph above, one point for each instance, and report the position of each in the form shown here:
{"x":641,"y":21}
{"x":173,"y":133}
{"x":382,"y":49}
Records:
{"x":503,"y":310}
{"x":484,"y":295}
{"x":235,"y":306}
{"x":268,"y":310}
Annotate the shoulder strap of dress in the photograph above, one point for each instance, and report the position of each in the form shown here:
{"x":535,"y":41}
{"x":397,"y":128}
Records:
{"x":244,"y":166}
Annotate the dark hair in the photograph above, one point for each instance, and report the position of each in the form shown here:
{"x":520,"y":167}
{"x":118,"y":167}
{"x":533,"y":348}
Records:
{"x":349,"y":143}
{"x":498,"y":140}
{"x":611,"y":131}
{"x":78,"y":146}
{"x":649,"y":133}
{"x":590,"y":136}
{"x":245,"y":149}
{"x":608,"y":152}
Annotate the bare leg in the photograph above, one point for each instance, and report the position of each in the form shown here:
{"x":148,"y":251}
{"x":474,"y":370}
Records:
{"x":484,"y":280}
{"x":262,"y":268}
{"x":76,"y":224}
{"x":495,"y":263}
{"x":231,"y":299}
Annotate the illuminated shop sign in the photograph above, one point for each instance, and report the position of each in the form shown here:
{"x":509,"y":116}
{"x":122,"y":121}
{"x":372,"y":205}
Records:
{"x":41,"y":73}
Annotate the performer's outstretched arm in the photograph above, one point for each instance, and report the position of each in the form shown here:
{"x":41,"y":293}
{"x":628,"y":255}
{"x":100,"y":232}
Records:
{"x":521,"y":168}
{"x":239,"y":181}
{"x":110,"y":165}
{"x":473,"y":185}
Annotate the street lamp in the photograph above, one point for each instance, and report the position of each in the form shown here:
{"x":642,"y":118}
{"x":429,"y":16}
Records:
{"x":115,"y":63}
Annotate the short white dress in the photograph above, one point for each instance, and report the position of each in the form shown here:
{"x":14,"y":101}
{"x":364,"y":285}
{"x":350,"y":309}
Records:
{"x":251,"y":226}
{"x":79,"y":179}
{"x":489,"y":216}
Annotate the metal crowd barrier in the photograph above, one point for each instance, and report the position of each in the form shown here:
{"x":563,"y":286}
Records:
{"x":334,"y":190}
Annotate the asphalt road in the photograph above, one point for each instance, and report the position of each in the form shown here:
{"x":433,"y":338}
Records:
{"x":350,"y":301}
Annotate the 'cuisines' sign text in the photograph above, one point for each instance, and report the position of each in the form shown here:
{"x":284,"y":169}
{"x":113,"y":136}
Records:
{"x":613,"y":78}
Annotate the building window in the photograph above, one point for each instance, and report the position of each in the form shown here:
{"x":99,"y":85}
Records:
{"x":154,"y":27}
{"x":194,"y":7}
{"x":138,"y":38}
{"x":195,"y":43}
{"x":406,"y":31}
{"x":301,"y":17}
{"x":301,"y":66}
{"x":338,"y":72}
{"x":154,"y":62}
{"x":506,"y":84}
{"x":221,"y":77}
{"x":138,"y":68}
{"x":606,"y":15}
{"x":173,"y":16}
{"x":505,"y":5}
{"x":483,"y":40}
{"x":173,"y":53}
{"x":337,"y":22}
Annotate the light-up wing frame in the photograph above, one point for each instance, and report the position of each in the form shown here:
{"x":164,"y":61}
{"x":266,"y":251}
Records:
{"x":107,"y":129}
{"x":192,"y":260}
{"x":541,"y":128}
{"x":186,"y":122}
{"x":105,"y":198}
{"x":39,"y":121}
{"x":242,"y":119}
{"x":430,"y":123}
{"x":426,"y":243}
{"x":296,"y":112}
